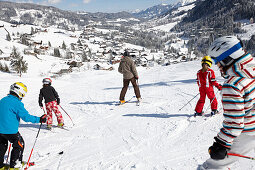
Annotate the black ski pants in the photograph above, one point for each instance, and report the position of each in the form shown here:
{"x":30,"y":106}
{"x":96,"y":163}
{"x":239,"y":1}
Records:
{"x":17,"y":148}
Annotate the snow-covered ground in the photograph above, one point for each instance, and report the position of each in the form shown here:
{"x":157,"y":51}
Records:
{"x":152,"y":136}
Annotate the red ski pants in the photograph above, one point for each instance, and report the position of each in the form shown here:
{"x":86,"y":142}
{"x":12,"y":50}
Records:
{"x":52,"y":106}
{"x":210,"y":94}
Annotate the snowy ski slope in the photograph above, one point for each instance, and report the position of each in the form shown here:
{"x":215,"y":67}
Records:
{"x":152,"y":136}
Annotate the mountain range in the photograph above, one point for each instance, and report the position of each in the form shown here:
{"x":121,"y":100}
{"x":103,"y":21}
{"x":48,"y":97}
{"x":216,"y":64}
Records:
{"x":199,"y":20}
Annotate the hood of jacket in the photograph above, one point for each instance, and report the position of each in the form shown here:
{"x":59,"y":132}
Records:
{"x":243,"y":67}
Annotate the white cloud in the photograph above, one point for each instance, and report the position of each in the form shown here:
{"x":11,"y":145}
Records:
{"x":54,"y":1}
{"x":86,"y":1}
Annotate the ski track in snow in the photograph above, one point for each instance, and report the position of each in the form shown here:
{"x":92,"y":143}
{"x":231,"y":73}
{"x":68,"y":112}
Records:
{"x":152,"y":136}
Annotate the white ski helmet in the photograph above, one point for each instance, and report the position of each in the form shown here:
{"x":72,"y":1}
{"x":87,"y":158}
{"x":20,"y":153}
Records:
{"x":225,"y":50}
{"x":19,"y":89}
{"x":47,"y":81}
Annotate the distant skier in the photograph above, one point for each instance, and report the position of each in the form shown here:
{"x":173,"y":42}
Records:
{"x":51,"y":100}
{"x":238,"y":132}
{"x":206,"y":81}
{"x":128,"y":69}
{"x":11,"y":110}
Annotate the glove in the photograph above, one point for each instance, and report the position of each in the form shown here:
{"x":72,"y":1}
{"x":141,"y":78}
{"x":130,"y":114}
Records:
{"x":43,"y":118}
{"x":40,"y":104}
{"x":58,"y":101}
{"x":219,"y":87}
{"x":136,"y":77}
{"x":217,"y":151}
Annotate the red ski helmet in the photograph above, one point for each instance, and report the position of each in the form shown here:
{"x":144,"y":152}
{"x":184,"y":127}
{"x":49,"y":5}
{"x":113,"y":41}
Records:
{"x":47,"y":81}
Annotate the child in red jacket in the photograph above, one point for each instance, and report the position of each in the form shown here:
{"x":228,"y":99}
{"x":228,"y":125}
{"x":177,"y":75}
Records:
{"x":206,"y":81}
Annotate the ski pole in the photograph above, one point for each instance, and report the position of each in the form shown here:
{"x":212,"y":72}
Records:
{"x":66,"y":113}
{"x":43,"y":110}
{"x":242,"y":156}
{"x":33,"y":147}
{"x":8,"y":153}
{"x":188,"y":102}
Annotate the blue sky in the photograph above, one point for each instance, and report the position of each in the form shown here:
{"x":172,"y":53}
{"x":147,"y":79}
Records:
{"x":99,"y":5}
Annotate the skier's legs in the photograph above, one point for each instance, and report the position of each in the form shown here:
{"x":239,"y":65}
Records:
{"x":18,"y":148}
{"x":3,"y":149}
{"x":213,"y":100}
{"x":241,"y":145}
{"x":201,"y":101}
{"x":136,"y":88}
{"x":124,"y":89}
{"x":49,"y":113}
{"x":57,"y":112}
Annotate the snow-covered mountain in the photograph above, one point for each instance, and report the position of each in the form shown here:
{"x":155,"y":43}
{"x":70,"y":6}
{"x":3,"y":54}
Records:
{"x":154,"y":11}
{"x":28,"y":13}
{"x":160,"y":9}
{"x":184,"y":2}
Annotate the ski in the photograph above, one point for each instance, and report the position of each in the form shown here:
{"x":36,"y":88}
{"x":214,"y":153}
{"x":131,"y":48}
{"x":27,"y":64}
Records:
{"x":205,"y":116}
{"x":55,"y":126}
{"x":128,"y":101}
{"x":24,"y":165}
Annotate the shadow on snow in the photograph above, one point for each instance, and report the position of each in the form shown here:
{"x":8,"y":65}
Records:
{"x":158,"y":115}
{"x":88,"y":102}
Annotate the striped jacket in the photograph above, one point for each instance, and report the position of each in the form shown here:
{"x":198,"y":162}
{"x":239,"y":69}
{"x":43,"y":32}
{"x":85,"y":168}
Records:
{"x":238,"y":99}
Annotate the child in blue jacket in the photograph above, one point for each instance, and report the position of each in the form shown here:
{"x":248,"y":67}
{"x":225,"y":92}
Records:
{"x":11,"y":110}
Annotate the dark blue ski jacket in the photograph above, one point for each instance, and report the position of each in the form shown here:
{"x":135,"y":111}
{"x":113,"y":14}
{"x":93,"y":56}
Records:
{"x":11,"y":110}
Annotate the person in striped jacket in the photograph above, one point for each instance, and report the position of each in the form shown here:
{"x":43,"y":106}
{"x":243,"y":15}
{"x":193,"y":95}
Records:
{"x":205,"y":81}
{"x":238,"y":98}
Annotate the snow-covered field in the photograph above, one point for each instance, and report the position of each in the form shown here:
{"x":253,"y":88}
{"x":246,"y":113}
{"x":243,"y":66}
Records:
{"x":152,"y":136}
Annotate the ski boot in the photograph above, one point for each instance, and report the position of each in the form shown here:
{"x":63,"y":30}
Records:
{"x":60,"y":125}
{"x":122,"y":102}
{"x":198,"y":114}
{"x":138,"y":101}
{"x":214,"y":112}
{"x":49,"y":127}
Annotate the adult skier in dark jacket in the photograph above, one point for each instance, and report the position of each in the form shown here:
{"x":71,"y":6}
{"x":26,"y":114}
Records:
{"x":51,"y":100}
{"x":11,"y":111}
{"x":128,"y":69}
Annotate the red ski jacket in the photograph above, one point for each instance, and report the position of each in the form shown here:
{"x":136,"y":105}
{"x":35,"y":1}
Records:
{"x":207,"y":79}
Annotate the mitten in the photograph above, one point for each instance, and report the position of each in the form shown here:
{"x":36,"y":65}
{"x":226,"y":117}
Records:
{"x":217,"y":151}
{"x":43,"y":118}
{"x":58,"y":101}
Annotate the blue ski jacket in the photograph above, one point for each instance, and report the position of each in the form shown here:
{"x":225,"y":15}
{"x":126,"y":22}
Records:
{"x":11,"y":110}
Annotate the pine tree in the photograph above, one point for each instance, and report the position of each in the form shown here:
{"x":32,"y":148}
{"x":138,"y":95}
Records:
{"x":8,"y":37}
{"x":84,"y":56}
{"x":72,"y":47}
{"x":89,"y":54}
{"x":17,"y":62}
{"x":6,"y":68}
{"x":32,"y":31}
{"x":56,"y":52}
{"x":64,"y":45}
{"x":79,"y":42}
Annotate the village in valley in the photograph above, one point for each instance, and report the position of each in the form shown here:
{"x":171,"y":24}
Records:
{"x":100,"y":42}
{"x":92,"y":45}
